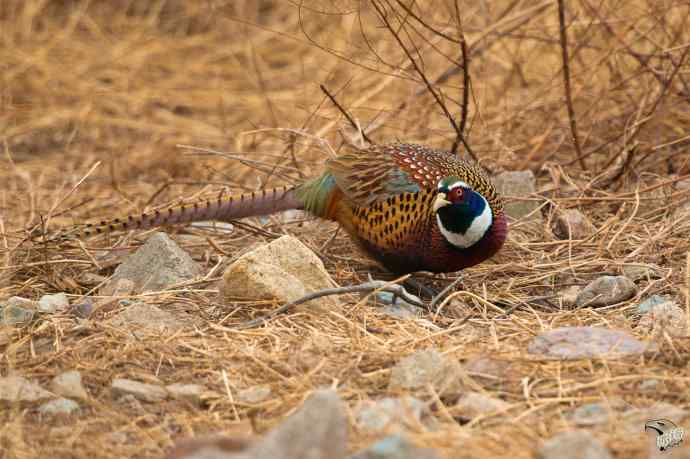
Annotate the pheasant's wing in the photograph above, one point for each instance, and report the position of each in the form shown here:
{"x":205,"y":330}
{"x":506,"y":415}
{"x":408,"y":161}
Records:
{"x":377,"y":173}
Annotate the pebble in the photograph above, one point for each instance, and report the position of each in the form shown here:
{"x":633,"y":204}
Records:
{"x":605,"y":291}
{"x":155,"y":266}
{"x":254,"y":395}
{"x":141,"y":391}
{"x":68,"y":384}
{"x":395,"y":447}
{"x":59,"y":406}
{"x":17,"y":310}
{"x":647,"y":305}
{"x":51,"y":304}
{"x":572,"y":224}
{"x":190,"y":392}
{"x":578,"y":444}
{"x":18,"y":388}
{"x":663,"y":318}
{"x":475,"y":404}
{"x":390,"y":413}
{"x":571,"y":343}
{"x":425,"y":367}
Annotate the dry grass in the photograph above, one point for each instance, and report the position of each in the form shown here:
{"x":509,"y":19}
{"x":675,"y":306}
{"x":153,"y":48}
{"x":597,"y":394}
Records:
{"x":120,"y":85}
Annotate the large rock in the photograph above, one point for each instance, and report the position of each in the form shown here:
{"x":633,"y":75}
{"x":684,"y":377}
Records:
{"x":569,"y":343}
{"x":283,"y":270}
{"x":517,"y":186}
{"x":605,"y":291}
{"x":578,"y":444}
{"x":317,"y":431}
{"x":156,"y":265}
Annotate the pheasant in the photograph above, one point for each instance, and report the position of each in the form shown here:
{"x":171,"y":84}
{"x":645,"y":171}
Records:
{"x":410,"y":207}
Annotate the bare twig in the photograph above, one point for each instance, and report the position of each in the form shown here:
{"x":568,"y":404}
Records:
{"x":345,"y":113}
{"x":566,"y":82}
{"x":367,"y":287}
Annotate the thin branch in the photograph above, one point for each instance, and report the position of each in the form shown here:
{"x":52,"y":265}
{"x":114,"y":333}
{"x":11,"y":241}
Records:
{"x":367,"y":287}
{"x":422,"y":75}
{"x":345,"y":113}
{"x":566,"y":82}
{"x":465,"y":79}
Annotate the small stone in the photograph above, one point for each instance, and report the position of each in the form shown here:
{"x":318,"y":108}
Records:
{"x":17,"y":310}
{"x":641,"y":272}
{"x":474,"y":404}
{"x":578,"y":444}
{"x":189,"y":392}
{"x":254,"y":395}
{"x":317,"y":431}
{"x":59,"y":406}
{"x":141,"y":391}
{"x":593,"y":414}
{"x":395,"y":447}
{"x":666,"y":317}
{"x":156,"y":265}
{"x":283,"y":270}
{"x":605,"y":291}
{"x":569,"y":343}
{"x":51,"y":304}
{"x":487,"y":371}
{"x":572,"y":224}
{"x":142,"y":316}
{"x":68,"y":384}
{"x":417,"y":370}
{"x":515,"y":185}
{"x":400,"y":309}
{"x":390,"y":413}
{"x":17,"y":388}
{"x":569,"y":295}
{"x":647,"y":305}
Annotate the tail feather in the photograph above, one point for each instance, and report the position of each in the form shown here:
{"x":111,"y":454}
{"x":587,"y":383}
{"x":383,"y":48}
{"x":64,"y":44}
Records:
{"x":221,"y":209}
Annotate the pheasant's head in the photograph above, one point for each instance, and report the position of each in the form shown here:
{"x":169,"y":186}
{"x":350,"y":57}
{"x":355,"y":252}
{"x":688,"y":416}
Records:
{"x":463,"y":214}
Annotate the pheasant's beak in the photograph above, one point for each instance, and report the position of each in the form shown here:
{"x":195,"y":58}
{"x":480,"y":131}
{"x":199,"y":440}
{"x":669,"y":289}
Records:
{"x":440,"y":201}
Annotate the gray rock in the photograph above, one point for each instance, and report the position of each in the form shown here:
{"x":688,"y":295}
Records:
{"x":68,"y":384}
{"x":428,"y":366}
{"x":142,"y":316}
{"x":59,"y":406}
{"x":569,"y":343}
{"x":141,"y":391}
{"x":578,"y":444}
{"x":605,"y":291}
{"x":156,"y":265}
{"x":572,"y":224}
{"x":53,"y":303}
{"x":284,"y":270}
{"x":19,"y":389}
{"x":190,"y":392}
{"x":647,"y":305}
{"x":474,"y":404}
{"x":663,"y":318}
{"x":515,"y":185}
{"x":593,"y":414}
{"x":254,"y":395}
{"x":641,"y":272}
{"x":317,"y":431}
{"x":17,"y":310}
{"x":390,"y":413}
{"x":395,"y":447}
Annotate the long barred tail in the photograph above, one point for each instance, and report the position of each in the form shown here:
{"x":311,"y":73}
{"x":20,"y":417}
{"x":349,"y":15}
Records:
{"x":221,"y":209}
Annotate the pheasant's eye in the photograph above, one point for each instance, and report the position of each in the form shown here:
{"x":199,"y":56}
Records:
{"x":455,"y":194}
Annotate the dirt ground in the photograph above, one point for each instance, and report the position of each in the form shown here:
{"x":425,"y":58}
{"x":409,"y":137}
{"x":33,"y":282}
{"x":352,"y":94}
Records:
{"x":105,"y":105}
